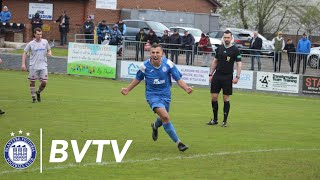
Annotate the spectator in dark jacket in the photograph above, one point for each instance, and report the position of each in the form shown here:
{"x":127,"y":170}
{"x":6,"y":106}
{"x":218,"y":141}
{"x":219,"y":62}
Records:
{"x":141,"y":39}
{"x":290,"y":49}
{"x":152,"y":37}
{"x":36,"y":22}
{"x":255,"y":46}
{"x":88,"y":29}
{"x":165,"y":40}
{"x":115,"y":35}
{"x":63,"y":27}
{"x":102,"y":30}
{"x":187,"y":44}
{"x":175,"y":41}
{"x":122,"y":27}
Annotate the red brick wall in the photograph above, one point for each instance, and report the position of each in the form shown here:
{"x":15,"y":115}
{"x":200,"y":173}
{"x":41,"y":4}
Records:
{"x":78,"y":9}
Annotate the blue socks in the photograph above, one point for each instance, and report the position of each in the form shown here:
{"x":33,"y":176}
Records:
{"x":158,"y":122}
{"x":168,"y":127}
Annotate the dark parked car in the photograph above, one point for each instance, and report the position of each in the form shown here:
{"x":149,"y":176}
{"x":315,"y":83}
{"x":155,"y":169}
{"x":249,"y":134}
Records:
{"x":134,"y":26}
{"x":241,"y":38}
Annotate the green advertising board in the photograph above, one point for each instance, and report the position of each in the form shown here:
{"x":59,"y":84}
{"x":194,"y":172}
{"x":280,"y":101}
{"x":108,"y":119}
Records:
{"x":92,"y":60}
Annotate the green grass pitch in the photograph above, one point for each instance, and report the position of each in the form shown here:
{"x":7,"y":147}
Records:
{"x":269,"y":136}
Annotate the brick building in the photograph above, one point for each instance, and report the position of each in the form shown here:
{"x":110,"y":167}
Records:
{"x":78,"y":9}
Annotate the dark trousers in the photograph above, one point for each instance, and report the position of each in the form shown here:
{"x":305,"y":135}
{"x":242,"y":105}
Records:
{"x":304,"y":58}
{"x":63,"y":38}
{"x":174,"y":53}
{"x":166,"y":52}
{"x":255,"y":55}
{"x":140,"y":48}
{"x":277,"y":59}
{"x":292,"y":60}
{"x":89,"y":38}
{"x":100,"y":39}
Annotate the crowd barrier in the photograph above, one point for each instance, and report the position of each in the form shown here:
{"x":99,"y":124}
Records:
{"x":126,"y":67}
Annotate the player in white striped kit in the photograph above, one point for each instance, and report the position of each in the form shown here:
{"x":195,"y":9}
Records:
{"x":39,"y":50}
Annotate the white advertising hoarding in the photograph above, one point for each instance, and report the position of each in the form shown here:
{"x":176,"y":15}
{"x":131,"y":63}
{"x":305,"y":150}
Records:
{"x":278,"y":82}
{"x":106,"y":4}
{"x":45,"y":10}
{"x":245,"y":81}
{"x":190,"y":74}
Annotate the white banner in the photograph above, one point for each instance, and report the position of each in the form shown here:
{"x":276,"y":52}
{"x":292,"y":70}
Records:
{"x":45,"y":10}
{"x":129,"y":69}
{"x":245,"y":81}
{"x":194,"y":74}
{"x":106,"y":4}
{"x":278,"y":82}
{"x":190,"y":74}
{"x":92,"y":60}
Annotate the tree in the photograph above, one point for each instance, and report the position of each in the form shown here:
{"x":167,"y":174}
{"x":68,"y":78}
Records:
{"x":262,"y":15}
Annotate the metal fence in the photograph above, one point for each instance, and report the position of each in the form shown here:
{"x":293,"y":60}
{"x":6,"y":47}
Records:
{"x":255,"y":60}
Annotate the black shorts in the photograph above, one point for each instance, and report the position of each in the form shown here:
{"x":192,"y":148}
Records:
{"x":222,"y":81}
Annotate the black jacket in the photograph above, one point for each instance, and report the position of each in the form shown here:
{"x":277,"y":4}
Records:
{"x":141,"y":38}
{"x":152,"y":39}
{"x":257,"y":44}
{"x":175,"y":39}
{"x":88,"y":27}
{"x":290,"y":47}
{"x":36,"y":21}
{"x":65,"y":26}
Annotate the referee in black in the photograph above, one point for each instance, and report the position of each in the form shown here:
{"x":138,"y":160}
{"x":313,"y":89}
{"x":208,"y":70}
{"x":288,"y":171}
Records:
{"x":221,"y":76}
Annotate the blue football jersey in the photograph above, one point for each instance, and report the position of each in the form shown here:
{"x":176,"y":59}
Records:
{"x":158,"y":79}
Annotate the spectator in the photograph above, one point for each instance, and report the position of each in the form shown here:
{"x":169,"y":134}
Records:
{"x":141,"y":38}
{"x":63,"y":27}
{"x":205,"y":47}
{"x":303,"y":49}
{"x":122,"y":27}
{"x":102,"y":30}
{"x":278,"y":43}
{"x":255,"y":45}
{"x":175,"y":41}
{"x":187,"y":44}
{"x":152,"y":37}
{"x":5,"y":15}
{"x":88,"y":29}
{"x":165,"y":39}
{"x":115,"y":35}
{"x":290,"y":49}
{"x":36,"y":22}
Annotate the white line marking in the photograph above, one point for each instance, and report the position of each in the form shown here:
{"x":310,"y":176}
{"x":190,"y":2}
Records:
{"x":40,"y":150}
{"x":194,"y":156}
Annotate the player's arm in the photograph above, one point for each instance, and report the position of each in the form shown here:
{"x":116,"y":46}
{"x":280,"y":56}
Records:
{"x":239,"y":67}
{"x":213,"y":68}
{"x":23,"y":61}
{"x":49,"y":52}
{"x":133,"y":84}
{"x":184,"y":86}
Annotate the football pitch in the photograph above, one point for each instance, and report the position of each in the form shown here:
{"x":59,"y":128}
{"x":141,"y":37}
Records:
{"x":269,"y":136}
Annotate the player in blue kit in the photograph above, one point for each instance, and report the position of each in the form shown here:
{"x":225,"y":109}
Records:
{"x":157,"y":72}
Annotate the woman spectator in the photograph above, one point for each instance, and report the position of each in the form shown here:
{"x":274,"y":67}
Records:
{"x":205,"y":47}
{"x":290,"y":49}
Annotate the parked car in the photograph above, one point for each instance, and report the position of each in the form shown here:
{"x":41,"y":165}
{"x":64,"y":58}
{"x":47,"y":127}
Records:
{"x":197,"y":35}
{"x":313,"y":57}
{"x":242,"y":39}
{"x":134,"y":26}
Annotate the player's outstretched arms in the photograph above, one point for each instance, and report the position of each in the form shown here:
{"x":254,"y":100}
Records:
{"x":133,"y":84}
{"x":184,"y":86}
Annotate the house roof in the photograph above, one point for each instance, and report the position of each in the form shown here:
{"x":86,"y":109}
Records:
{"x":216,"y":3}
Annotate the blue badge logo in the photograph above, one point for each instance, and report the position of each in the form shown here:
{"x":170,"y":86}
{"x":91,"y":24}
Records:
{"x":20,"y":152}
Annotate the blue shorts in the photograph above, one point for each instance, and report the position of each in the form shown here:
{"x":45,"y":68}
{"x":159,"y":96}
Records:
{"x":159,"y":103}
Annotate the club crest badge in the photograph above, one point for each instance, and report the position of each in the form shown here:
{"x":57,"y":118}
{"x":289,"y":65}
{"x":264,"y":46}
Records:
{"x":20,"y":152}
{"x":164,"y":69}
